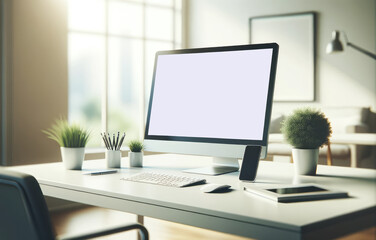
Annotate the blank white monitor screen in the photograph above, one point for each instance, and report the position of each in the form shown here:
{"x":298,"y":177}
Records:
{"x":215,"y":95}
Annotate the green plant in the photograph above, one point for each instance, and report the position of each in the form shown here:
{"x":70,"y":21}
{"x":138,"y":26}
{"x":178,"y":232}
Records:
{"x":306,"y":128}
{"x":68,"y":135}
{"x":135,"y":145}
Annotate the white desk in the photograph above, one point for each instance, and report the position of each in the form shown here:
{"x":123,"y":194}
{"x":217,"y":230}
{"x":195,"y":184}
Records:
{"x":236,"y":212}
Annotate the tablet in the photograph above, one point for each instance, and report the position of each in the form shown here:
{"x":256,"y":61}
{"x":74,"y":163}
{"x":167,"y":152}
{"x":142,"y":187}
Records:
{"x":295,"y":193}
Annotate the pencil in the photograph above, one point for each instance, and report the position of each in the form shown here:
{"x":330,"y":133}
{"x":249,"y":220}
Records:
{"x":113,"y":141}
{"x":117,"y":141}
{"x":109,"y":140}
{"x":104,"y":140}
{"x":121,"y":141}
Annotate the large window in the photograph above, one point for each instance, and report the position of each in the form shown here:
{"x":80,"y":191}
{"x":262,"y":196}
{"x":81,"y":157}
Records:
{"x":111,"y":49}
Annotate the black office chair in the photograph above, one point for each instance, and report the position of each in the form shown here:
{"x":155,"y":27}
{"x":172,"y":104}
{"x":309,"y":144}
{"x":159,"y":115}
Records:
{"x":24,"y":213}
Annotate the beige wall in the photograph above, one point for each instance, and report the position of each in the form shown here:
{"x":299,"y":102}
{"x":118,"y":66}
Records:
{"x":346,"y":79}
{"x":39,"y":78}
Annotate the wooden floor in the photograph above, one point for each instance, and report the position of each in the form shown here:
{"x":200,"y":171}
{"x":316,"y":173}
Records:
{"x":88,"y":218}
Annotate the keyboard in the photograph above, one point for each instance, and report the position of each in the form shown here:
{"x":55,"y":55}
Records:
{"x":165,"y":179}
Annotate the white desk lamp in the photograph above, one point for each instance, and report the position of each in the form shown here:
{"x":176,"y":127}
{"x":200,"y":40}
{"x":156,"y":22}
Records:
{"x":336,"y":45}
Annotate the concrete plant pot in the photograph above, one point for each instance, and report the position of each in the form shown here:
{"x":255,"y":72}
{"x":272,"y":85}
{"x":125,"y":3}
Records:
{"x":135,"y":159}
{"x":305,"y":161}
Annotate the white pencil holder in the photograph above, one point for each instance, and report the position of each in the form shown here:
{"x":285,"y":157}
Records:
{"x":113,"y":158}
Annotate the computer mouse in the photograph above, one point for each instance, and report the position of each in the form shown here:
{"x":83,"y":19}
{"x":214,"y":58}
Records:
{"x":214,"y":188}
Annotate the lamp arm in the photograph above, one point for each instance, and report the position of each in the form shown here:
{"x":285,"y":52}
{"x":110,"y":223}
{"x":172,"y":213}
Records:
{"x":368,"y":53}
{"x":372,"y":55}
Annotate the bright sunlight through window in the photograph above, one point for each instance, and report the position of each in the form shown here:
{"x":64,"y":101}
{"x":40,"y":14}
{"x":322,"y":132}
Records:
{"x":111,"y":50}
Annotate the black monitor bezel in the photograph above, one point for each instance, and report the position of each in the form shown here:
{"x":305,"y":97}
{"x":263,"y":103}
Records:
{"x":273,"y":70}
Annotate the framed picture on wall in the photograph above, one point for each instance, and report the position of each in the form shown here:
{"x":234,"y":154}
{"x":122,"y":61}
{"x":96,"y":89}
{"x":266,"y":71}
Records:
{"x":295,"y":35}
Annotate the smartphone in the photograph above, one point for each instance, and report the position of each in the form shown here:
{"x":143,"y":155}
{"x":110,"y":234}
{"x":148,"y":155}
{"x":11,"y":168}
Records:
{"x":250,"y":163}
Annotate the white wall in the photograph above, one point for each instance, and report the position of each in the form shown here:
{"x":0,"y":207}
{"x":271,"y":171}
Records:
{"x":39,"y":58}
{"x":346,"y":79}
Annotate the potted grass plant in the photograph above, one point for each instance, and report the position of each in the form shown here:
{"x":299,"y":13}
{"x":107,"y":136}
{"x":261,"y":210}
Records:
{"x":72,"y":139}
{"x":136,"y":153}
{"x":306,"y":130}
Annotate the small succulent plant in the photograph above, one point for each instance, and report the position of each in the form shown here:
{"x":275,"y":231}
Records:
{"x":136,"y":145}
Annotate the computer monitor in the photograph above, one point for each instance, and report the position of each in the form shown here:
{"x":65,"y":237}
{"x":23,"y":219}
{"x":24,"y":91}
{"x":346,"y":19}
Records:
{"x":212,"y":102}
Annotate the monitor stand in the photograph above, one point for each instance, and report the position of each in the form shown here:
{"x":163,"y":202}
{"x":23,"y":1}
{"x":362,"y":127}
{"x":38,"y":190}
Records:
{"x":219,"y":166}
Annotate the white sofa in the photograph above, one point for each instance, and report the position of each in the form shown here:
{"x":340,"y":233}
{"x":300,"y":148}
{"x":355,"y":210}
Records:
{"x":343,"y":120}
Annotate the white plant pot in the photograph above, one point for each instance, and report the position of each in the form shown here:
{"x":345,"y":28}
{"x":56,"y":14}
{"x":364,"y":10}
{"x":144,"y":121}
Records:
{"x":135,"y":159}
{"x":305,"y":161}
{"x":73,"y":157}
